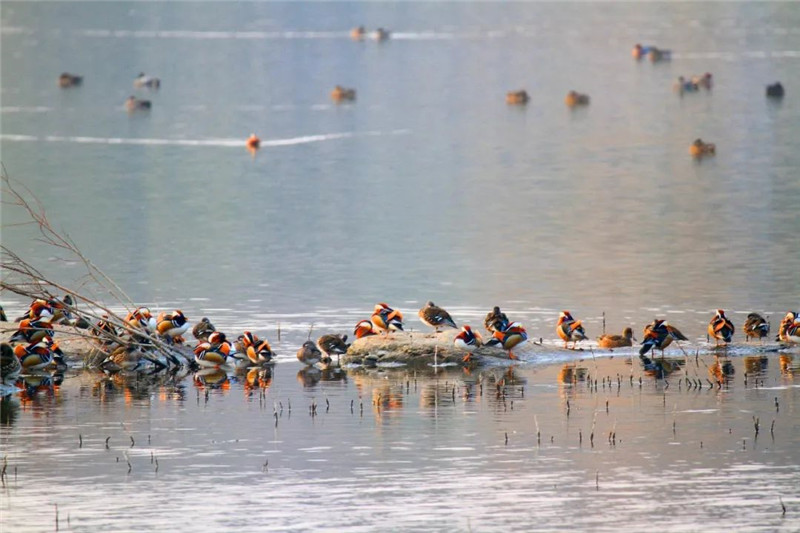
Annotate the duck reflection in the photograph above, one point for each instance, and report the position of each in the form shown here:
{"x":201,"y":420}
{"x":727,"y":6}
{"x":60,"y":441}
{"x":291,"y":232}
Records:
{"x":722,"y":370}
{"x":9,"y":410}
{"x":257,"y":378}
{"x":660,"y":367}
{"x":35,"y":386}
{"x":212,"y":379}
{"x":790,"y":367}
{"x":387,"y":398}
{"x":572,"y":374}
{"x":756,"y":365}
{"x":310,"y":376}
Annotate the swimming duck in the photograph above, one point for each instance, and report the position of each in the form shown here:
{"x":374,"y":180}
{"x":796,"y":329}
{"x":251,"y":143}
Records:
{"x":253,"y":142}
{"x":570,"y":329}
{"x":333,"y":345}
{"x":203,"y":329}
{"x":496,"y":320}
{"x":386,"y":319}
{"x":215,"y":352}
{"x":659,"y":334}
{"x":342,"y":94}
{"x":141,"y":317}
{"x":172,"y":326}
{"x":775,"y":90}
{"x":703,"y":81}
{"x":10,"y":366}
{"x":517,"y":97}
{"x":640,"y":51}
{"x":3,"y":317}
{"x":66,"y":80}
{"x":684,"y":85}
{"x":33,"y":331}
{"x":38,"y":355}
{"x":380,"y":34}
{"x":509,"y":338}
{"x":143,"y":80}
{"x":720,"y":328}
{"x":357,"y":34}
{"x":656,"y":54}
{"x":699,"y":148}
{"x":576,"y":99}
{"x":364,"y":328}
{"x":134,"y":104}
{"x":258,"y":351}
{"x":616,"y":341}
{"x":309,"y":354}
{"x":436,"y":317}
{"x":467,"y":340}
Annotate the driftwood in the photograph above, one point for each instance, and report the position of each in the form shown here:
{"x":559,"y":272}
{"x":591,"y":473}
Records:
{"x":419,"y":348}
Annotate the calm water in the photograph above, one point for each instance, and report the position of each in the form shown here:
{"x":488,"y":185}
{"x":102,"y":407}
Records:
{"x":427,"y":187}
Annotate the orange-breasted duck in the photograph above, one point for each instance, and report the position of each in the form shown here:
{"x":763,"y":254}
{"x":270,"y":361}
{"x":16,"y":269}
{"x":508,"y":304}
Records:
{"x":720,"y":328}
{"x":569,"y":329}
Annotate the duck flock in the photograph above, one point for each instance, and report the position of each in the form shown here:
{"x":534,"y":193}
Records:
{"x":339,"y":94}
{"x":143,"y":341}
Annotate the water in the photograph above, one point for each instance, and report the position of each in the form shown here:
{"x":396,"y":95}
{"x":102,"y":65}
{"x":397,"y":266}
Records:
{"x":427,"y":187}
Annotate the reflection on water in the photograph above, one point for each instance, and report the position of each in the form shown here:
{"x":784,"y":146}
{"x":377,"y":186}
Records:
{"x":501,"y":445}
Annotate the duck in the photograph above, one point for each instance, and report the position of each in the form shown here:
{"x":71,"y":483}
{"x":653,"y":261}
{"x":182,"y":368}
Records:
{"x":141,"y":317}
{"x":467,"y":340}
{"x":332,"y":345}
{"x":775,"y":90}
{"x":40,"y":308}
{"x":657,"y":54}
{"x":134,"y":104}
{"x":699,"y":148}
{"x":125,"y":358}
{"x":755,"y":327}
{"x":38,"y":355}
{"x":343,"y":94}
{"x":142,"y":80}
{"x":616,"y":341}
{"x":720,"y":328}
{"x":67,"y":80}
{"x":364,"y":328}
{"x":496,"y":320}
{"x":215,"y":352}
{"x":434,"y":316}
{"x":258,"y":351}
{"x":640,"y":51}
{"x":172,"y":326}
{"x":357,"y":34}
{"x":517,"y":97}
{"x":10,"y":367}
{"x":105,"y":331}
{"x":203,"y":329}
{"x":789,"y":330}
{"x":684,"y":85}
{"x":570,"y":329}
{"x":704,"y":81}
{"x":386,"y":319}
{"x":574,"y":99}
{"x":253,"y":142}
{"x":32,"y":331}
{"x":309,"y":354}
{"x":659,"y":334}
{"x":3,"y":317}
{"x":509,"y":338}
{"x":381,"y":34}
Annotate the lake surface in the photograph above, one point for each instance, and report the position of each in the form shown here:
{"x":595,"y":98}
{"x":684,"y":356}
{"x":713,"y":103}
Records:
{"x":427,"y":187}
